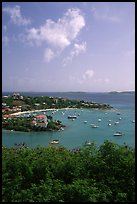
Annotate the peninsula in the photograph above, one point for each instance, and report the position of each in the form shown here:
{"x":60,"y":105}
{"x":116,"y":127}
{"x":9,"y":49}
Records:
{"x":15,"y":107}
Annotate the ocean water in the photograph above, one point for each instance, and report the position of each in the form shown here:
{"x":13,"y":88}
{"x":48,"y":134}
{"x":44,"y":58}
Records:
{"x":77,"y":131}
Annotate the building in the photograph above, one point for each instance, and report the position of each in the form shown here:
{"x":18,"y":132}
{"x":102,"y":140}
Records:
{"x":40,"y":120}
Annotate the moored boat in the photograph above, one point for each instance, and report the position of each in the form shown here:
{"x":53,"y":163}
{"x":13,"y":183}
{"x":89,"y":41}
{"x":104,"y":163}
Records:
{"x":72,"y":116}
{"x":87,"y":143}
{"x":116,"y":122}
{"x":54,"y":142}
{"x":95,"y":126}
{"x":118,"y":134}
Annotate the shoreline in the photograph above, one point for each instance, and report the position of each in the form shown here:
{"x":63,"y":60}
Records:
{"x":41,"y":110}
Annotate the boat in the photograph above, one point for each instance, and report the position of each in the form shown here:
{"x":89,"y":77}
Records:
{"x":72,"y":116}
{"x":99,"y":120}
{"x":62,"y":128}
{"x":92,"y":124}
{"x":54,"y":142}
{"x":85,"y":121}
{"x":109,"y":124}
{"x":88,"y":143}
{"x":133,"y":121}
{"x":116,"y":122}
{"x":118,"y":134}
{"x":95,"y":126}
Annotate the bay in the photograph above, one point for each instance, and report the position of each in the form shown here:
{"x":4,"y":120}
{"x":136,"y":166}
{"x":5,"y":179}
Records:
{"x":77,"y":131}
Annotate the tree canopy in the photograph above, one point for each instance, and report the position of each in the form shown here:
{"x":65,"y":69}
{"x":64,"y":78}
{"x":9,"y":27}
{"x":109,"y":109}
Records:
{"x":55,"y":174}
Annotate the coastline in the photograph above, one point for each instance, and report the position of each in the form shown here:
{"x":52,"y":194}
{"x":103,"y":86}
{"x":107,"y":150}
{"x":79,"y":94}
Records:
{"x":41,"y":110}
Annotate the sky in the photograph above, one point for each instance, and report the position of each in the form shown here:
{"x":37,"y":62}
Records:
{"x":68,"y":46}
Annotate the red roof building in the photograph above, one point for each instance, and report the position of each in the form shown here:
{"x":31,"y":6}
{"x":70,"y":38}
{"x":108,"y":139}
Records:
{"x":41,"y":120}
{"x":40,"y":116}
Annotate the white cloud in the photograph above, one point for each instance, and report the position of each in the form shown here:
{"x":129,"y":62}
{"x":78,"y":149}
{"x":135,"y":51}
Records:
{"x":58,"y":34}
{"x":77,"y":49}
{"x":88,"y":74}
{"x":16,"y":16}
{"x":48,"y":55}
{"x":104,"y":13}
{"x":5,"y":40}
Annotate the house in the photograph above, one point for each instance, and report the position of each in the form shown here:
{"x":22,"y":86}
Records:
{"x":17,"y":96}
{"x":6,"y":109}
{"x":40,"y":120}
{"x":56,"y":100}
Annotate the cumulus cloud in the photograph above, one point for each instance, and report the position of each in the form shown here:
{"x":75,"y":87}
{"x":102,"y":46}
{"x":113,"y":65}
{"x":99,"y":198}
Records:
{"x":48,"y":55}
{"x":88,"y":74}
{"x":16,"y":16}
{"x":58,"y":34}
{"x":77,"y":49}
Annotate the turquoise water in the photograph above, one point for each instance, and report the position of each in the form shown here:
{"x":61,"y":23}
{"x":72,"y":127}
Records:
{"x":77,"y":132}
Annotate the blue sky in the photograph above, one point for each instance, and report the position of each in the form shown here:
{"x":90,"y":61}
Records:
{"x":68,"y":46}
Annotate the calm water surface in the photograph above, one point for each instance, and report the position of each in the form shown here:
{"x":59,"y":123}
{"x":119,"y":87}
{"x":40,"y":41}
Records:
{"x":77,"y":132}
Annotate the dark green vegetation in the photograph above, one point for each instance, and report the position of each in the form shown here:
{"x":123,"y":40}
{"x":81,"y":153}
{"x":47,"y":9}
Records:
{"x":45,"y":102}
{"x":89,"y":174}
{"x":24,"y":124}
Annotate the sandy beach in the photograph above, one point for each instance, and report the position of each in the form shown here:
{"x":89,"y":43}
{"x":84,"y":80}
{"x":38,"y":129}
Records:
{"x":41,"y":110}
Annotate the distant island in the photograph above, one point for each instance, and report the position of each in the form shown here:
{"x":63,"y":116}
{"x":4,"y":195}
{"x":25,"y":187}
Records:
{"x":19,"y":112}
{"x":123,"y":92}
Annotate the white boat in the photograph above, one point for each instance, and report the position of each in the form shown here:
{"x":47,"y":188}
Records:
{"x":120,"y":118}
{"x":95,"y":126}
{"x":133,"y":121}
{"x":85,"y":121}
{"x":118,"y":134}
{"x":99,"y":120}
{"x":88,"y":143}
{"x":109,"y":120}
{"x":61,"y":128}
{"x":92,"y":124}
{"x":54,"y":142}
{"x":109,"y":124}
{"x":72,"y":116}
{"x":116,"y":122}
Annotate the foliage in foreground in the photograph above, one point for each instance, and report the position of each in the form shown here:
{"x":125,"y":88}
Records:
{"x":51,"y":174}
